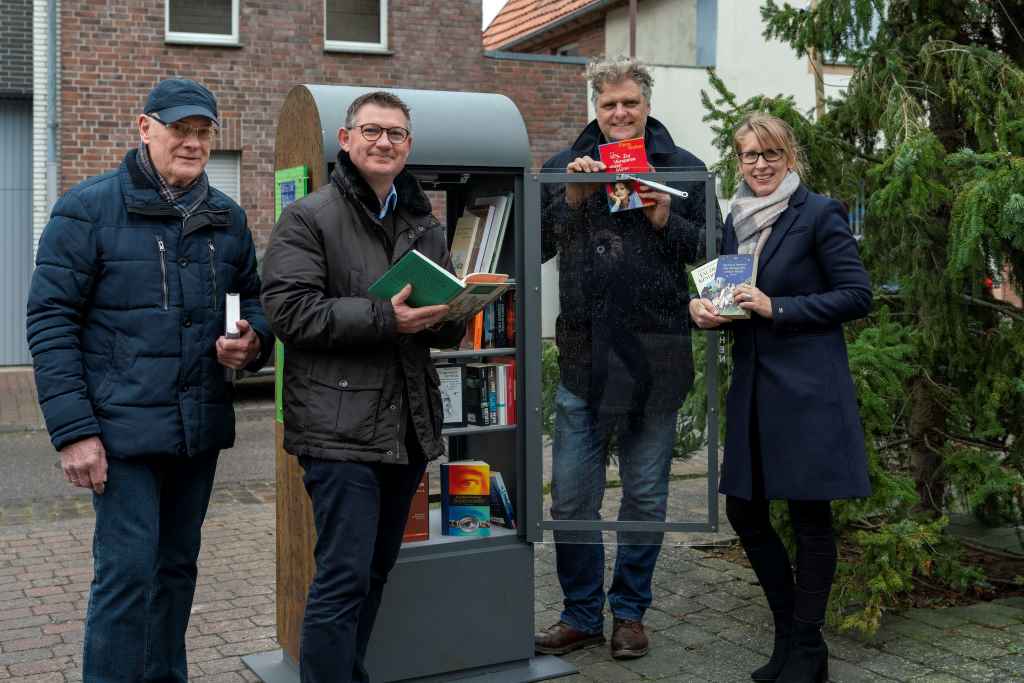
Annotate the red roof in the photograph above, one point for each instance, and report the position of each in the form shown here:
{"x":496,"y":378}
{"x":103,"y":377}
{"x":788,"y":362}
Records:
{"x":520,"y":18}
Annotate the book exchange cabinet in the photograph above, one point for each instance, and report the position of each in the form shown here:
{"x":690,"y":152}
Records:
{"x":454,"y":608}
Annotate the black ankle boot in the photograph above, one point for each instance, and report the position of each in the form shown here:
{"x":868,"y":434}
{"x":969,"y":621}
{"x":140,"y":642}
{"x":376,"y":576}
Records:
{"x":783,"y":641}
{"x":808,"y":656}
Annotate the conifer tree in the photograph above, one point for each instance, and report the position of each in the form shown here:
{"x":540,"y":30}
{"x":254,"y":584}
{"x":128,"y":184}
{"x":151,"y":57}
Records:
{"x":929,"y":139}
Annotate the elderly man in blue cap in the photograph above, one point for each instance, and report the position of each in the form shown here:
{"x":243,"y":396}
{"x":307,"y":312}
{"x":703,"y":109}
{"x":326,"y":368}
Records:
{"x":126,"y":325}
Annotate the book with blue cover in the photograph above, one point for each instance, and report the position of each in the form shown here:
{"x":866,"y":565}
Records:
{"x":466,"y":498}
{"x":501,"y":503}
{"x":717,"y":281}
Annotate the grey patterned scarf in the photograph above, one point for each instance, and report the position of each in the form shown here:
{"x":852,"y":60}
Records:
{"x":753,"y":216}
{"x":185,"y":199}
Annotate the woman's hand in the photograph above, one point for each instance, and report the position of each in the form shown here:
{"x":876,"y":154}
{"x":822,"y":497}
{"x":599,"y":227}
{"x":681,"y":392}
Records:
{"x":705,"y":314}
{"x":751,"y":298}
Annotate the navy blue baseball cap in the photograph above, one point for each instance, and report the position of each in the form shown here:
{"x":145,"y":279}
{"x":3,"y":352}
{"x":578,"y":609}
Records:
{"x":178,"y":98}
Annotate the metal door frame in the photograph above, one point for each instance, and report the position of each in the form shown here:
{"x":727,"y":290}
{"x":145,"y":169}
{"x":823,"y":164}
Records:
{"x":530,"y":266}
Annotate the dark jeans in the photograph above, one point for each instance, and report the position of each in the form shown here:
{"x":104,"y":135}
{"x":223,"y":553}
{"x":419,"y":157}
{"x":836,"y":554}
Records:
{"x":360,"y":511}
{"x":145,"y":547}
{"x":577,"y":491}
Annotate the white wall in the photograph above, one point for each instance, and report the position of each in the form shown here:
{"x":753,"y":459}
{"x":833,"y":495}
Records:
{"x":747,"y":63}
{"x":666,"y":32}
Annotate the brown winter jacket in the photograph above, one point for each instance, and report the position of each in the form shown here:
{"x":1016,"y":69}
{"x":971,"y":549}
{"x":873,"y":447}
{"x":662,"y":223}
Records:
{"x":345,"y":363}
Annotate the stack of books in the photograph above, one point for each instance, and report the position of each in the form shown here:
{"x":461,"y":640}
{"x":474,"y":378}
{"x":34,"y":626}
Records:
{"x":479,"y":394}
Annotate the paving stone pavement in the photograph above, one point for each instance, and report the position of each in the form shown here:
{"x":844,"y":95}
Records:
{"x":708,"y":623}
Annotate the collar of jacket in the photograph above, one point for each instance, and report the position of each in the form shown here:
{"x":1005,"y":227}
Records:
{"x":141,"y":197}
{"x":350,"y":181}
{"x":657,"y":140}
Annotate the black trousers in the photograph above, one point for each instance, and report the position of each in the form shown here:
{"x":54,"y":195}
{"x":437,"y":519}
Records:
{"x":806,"y":598}
{"x":359,"y":510}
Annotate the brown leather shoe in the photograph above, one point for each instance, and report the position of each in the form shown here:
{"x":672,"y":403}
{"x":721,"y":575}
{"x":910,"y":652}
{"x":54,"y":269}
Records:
{"x":629,"y":640}
{"x":560,"y":638}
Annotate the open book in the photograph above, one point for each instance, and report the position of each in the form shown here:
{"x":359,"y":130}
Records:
{"x":432,"y":284}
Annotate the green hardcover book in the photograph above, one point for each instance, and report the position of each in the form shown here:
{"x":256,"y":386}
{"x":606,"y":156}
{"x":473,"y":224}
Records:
{"x":432,"y":284}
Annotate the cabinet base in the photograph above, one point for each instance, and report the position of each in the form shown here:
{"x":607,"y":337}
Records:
{"x":277,"y":667}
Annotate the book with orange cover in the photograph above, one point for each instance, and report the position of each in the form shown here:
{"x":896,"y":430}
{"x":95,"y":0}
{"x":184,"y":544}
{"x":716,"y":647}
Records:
{"x":417,"y":526}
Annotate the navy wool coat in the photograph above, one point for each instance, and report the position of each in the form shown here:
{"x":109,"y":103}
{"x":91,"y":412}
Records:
{"x":791,"y":380}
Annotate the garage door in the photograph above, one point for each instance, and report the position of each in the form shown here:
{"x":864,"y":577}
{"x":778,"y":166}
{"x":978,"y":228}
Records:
{"x":15,"y":227}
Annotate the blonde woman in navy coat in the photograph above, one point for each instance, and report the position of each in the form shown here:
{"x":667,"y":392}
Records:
{"x":793,"y":432}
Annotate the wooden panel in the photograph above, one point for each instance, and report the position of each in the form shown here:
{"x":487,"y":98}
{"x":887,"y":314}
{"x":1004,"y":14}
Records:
{"x":295,"y":541}
{"x":299,"y":143}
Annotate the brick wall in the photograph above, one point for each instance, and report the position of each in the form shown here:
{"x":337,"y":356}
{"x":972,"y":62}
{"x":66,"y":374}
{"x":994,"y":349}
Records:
{"x":113,"y":51}
{"x":16,"y":48}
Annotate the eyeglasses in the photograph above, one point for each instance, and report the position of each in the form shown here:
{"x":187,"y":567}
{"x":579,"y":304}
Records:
{"x":770,"y":155}
{"x":372,"y":132}
{"x":183,"y":131}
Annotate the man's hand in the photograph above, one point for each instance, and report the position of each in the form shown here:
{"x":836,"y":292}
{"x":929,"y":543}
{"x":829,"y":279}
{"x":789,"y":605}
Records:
{"x":658,"y":213}
{"x":576,"y":193}
{"x":705,"y":314}
{"x":412,"y":320}
{"x":237,"y":353}
{"x":85,"y":464}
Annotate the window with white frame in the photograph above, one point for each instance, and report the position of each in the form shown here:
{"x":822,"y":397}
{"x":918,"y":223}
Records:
{"x":224,"y":174}
{"x":205,"y":22}
{"x":356,"y":25}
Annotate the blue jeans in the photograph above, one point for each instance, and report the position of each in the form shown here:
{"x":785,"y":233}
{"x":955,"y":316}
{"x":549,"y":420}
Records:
{"x":145,"y":547}
{"x":577,"y":491}
{"x":360,"y":511}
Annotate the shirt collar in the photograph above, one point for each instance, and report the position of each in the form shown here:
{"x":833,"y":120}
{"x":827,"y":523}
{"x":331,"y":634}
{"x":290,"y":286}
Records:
{"x":389,"y":203}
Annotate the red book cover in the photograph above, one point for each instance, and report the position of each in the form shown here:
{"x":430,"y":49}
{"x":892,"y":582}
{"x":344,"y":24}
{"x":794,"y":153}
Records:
{"x":417,"y":526}
{"x":510,"y":388}
{"x":626,"y":156}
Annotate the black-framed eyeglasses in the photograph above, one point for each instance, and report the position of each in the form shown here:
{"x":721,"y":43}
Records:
{"x":372,"y":132}
{"x":770,"y":155}
{"x":184,"y":131}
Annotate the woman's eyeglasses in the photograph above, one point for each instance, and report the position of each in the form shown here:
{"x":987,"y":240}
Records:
{"x":770,"y":155}
{"x":372,"y":132}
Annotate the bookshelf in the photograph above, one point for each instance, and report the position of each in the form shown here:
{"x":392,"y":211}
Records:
{"x":477,"y":590}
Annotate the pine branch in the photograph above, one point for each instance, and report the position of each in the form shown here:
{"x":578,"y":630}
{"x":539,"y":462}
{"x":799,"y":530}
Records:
{"x":1007,"y":309}
{"x":970,"y":441}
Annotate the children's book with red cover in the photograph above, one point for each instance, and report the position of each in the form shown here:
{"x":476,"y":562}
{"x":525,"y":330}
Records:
{"x":625,"y":156}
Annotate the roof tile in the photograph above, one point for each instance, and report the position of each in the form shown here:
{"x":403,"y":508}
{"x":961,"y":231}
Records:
{"x":519,"y":18}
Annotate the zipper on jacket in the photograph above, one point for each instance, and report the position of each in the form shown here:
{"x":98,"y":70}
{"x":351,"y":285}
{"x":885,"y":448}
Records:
{"x":163,"y":269}
{"x":400,"y":414}
{"x":213,"y":273}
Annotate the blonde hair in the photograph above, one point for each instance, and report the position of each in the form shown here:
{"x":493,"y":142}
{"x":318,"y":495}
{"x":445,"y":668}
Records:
{"x":772,"y":133}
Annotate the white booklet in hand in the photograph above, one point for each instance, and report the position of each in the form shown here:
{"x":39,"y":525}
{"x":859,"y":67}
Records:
{"x":232,"y":313}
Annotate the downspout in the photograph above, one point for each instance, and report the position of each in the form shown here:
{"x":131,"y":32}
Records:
{"x":51,"y":108}
{"x":632,"y":28}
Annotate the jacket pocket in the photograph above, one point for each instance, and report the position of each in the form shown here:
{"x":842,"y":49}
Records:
{"x":105,"y":390}
{"x":344,"y":404}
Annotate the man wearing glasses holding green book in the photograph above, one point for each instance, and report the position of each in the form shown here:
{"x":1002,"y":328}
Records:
{"x":361,"y":399}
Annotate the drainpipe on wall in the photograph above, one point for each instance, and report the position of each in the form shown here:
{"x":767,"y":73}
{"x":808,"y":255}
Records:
{"x":51,"y":108}
{"x":632,"y":28}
